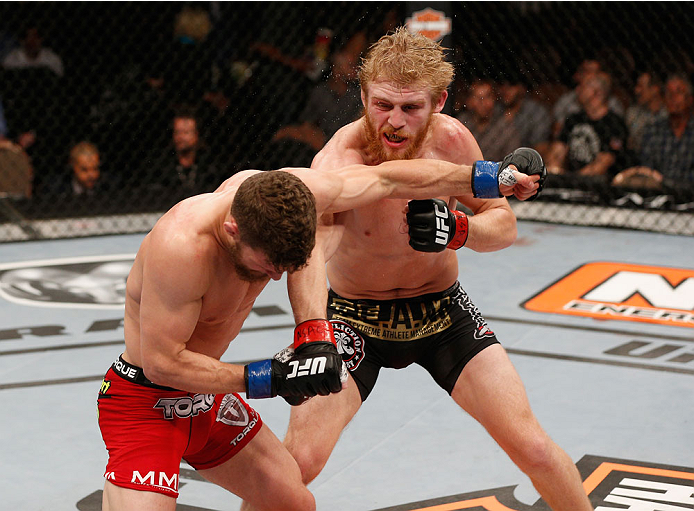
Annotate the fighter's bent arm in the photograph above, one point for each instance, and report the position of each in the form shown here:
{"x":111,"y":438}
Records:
{"x":169,"y":312}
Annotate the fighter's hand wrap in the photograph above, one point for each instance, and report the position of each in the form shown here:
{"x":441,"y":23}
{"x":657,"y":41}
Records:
{"x":261,"y":378}
{"x":433,"y":227}
{"x":486,"y":175}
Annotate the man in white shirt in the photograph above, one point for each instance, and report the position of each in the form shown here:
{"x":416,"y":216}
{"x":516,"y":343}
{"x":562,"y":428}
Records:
{"x":32,"y":54}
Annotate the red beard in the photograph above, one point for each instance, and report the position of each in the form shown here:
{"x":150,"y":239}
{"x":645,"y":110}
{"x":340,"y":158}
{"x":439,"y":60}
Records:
{"x":382,"y":153}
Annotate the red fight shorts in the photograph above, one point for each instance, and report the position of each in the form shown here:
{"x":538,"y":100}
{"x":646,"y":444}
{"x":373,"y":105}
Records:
{"x":148,"y":429}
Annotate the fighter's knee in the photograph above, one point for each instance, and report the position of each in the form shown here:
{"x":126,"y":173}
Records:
{"x":535,"y":453}
{"x":310,"y":458}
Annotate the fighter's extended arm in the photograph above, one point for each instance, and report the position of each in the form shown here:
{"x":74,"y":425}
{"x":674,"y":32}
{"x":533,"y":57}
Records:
{"x":355,"y":186}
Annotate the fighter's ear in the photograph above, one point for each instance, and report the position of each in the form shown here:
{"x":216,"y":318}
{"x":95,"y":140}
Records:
{"x":363,"y":98}
{"x":231,"y":227}
{"x":438,"y":106}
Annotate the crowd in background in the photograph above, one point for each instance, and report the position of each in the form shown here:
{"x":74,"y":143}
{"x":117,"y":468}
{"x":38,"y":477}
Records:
{"x":158,"y":112}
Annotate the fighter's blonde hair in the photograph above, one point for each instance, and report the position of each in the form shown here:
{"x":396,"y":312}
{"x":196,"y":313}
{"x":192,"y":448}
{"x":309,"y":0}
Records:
{"x":406,"y":59}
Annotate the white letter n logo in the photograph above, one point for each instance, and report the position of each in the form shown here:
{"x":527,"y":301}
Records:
{"x":655,"y":289}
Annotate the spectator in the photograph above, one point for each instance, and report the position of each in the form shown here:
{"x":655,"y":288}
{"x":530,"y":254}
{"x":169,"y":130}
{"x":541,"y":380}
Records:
{"x":188,"y":166}
{"x":649,"y":107}
{"x":592,"y":141}
{"x":494,"y":136}
{"x":32,"y":54}
{"x":16,"y":172}
{"x":34,"y":99}
{"x":569,"y":104}
{"x":530,"y":118}
{"x":667,"y":150}
{"x":280,"y":61}
{"x":86,"y":175}
{"x":331,"y":104}
{"x":84,"y":178}
{"x":188,"y":83}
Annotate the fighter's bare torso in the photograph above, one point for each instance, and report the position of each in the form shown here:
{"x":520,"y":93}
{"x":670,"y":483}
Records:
{"x":373,"y":258}
{"x":225,"y":300}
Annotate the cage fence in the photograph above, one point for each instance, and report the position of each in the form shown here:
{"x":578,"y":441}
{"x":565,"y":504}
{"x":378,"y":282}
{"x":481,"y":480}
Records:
{"x":156,"y":101}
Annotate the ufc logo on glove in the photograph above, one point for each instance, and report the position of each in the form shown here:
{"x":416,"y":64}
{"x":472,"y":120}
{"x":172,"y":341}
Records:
{"x":441,"y":225}
{"x":309,"y":366}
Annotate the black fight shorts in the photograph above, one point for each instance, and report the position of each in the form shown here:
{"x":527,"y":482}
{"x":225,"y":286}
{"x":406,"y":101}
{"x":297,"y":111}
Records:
{"x":439,"y":331}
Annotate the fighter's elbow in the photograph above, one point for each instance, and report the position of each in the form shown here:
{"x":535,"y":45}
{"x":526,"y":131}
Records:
{"x":504,"y":236}
{"x":158,"y":369}
{"x":510,"y":236}
{"x":509,"y":232}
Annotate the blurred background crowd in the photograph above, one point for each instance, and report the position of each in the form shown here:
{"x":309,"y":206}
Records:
{"x":114,"y":107}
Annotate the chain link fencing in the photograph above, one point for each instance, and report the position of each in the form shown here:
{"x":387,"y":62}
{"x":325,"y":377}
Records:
{"x":173,"y":98}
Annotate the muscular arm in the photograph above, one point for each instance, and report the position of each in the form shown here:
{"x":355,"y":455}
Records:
{"x":492,"y":227}
{"x":173,"y":284}
{"x":355,"y":186}
{"x":308,"y":288}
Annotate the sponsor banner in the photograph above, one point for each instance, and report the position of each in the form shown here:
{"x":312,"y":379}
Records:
{"x":89,"y":282}
{"x":621,"y":291}
{"x":430,"y":23}
{"x":611,"y":484}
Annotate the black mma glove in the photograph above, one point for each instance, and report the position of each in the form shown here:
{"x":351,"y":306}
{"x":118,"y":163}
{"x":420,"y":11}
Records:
{"x":315,"y":337}
{"x":286,"y":355}
{"x":313,"y":369}
{"x":486,"y":175}
{"x":433,"y":227}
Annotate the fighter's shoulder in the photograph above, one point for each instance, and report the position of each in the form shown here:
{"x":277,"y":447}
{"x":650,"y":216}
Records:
{"x":451,"y":130}
{"x":452,"y":140}
{"x":346,"y":147}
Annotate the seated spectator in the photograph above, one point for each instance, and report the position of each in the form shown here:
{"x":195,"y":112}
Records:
{"x":592,"y":141}
{"x":649,"y":106}
{"x":189,"y":83}
{"x":84,"y":178}
{"x":32,"y":54}
{"x":16,"y":172}
{"x":34,"y":99}
{"x":667,"y":149}
{"x":530,"y":118}
{"x":331,"y":104}
{"x":569,"y":104}
{"x":188,"y":167}
{"x":494,"y":136}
